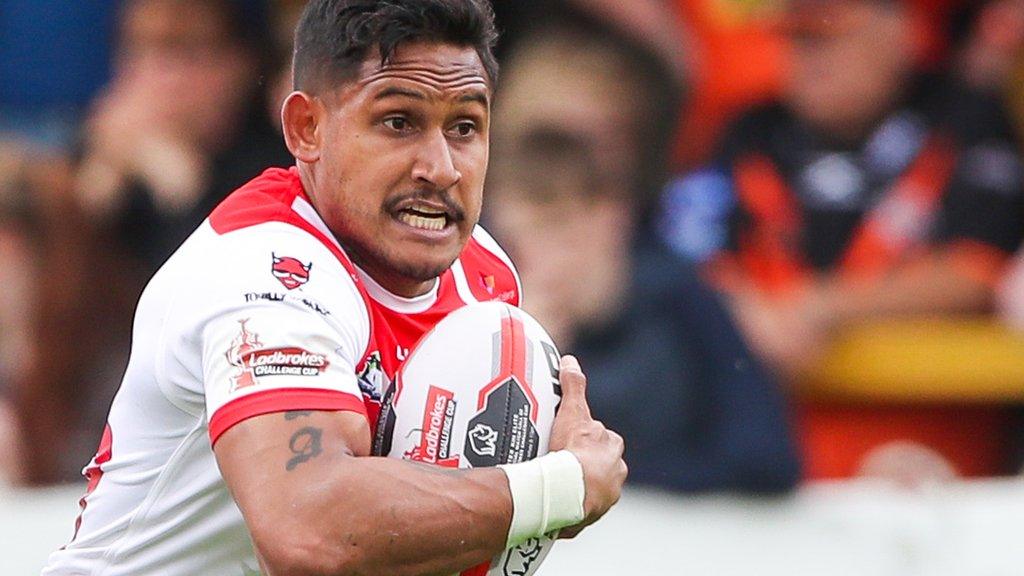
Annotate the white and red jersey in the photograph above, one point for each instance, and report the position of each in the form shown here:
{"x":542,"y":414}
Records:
{"x":259,"y":311}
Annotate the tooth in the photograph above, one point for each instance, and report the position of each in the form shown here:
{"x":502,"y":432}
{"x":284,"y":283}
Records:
{"x":433,"y":224}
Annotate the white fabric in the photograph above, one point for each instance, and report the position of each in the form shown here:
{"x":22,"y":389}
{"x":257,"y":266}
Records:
{"x":161,"y":506}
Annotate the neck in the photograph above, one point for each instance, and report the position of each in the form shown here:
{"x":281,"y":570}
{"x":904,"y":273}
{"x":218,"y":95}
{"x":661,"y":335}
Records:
{"x":395,"y":283}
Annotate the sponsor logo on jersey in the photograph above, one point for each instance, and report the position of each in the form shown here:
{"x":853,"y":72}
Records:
{"x":268,"y":296}
{"x":253,"y":361}
{"x":487,"y":281}
{"x":315,"y":307}
{"x":281,"y":297}
{"x":286,"y":362}
{"x":290,"y":272}
{"x":375,"y":385}
{"x":436,"y":433}
{"x":372,"y":378}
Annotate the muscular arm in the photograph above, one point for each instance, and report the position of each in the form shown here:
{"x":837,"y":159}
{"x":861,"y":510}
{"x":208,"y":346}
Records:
{"x":316,"y":503}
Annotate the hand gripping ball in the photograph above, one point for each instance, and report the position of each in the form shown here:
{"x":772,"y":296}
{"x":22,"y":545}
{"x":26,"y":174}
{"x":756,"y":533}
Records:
{"x":480,"y":389}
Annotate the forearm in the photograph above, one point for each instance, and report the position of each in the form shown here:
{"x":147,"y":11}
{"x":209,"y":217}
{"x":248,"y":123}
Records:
{"x":384,"y":516}
{"x":316,"y":504}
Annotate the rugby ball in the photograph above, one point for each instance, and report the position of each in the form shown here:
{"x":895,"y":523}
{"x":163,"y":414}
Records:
{"x":480,"y":389}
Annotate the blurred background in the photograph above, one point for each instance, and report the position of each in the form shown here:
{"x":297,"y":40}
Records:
{"x":783,"y":237}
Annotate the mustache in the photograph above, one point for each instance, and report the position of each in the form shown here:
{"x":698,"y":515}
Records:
{"x":453,"y":210}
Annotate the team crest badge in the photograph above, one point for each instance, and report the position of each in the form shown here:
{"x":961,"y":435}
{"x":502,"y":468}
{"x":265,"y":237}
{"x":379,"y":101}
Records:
{"x":290,"y":272}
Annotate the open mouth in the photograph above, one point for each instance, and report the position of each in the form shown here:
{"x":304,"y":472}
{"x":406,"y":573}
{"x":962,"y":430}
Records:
{"x":424,"y":218}
{"x":429,"y":214}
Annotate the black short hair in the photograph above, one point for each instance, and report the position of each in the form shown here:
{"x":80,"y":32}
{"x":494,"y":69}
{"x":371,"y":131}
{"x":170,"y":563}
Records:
{"x":334,"y":37}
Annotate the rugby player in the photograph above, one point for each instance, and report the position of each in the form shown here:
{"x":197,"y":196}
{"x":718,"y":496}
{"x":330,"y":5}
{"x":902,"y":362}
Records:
{"x":240,"y":438}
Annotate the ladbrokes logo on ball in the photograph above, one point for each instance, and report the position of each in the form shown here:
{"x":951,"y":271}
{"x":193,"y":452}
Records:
{"x":436,"y":434}
{"x":253,"y":361}
{"x":290,"y":272}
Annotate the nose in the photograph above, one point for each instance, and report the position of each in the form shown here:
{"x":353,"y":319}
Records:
{"x":434,"y":166}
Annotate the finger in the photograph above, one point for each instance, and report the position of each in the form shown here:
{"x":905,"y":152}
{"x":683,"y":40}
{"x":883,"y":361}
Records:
{"x":574,"y":385}
{"x":570,"y":532}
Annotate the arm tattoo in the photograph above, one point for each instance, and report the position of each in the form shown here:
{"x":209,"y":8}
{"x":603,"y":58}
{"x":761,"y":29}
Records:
{"x":305,"y":444}
{"x":293,"y":414}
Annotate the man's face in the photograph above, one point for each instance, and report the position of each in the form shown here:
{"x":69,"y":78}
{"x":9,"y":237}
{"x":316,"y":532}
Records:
{"x":850,"y":71}
{"x":178,"y":57}
{"x":578,"y":90}
{"x":400,"y":175}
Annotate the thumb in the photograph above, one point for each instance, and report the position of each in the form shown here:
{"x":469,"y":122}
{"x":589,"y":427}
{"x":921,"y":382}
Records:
{"x":574,"y":386}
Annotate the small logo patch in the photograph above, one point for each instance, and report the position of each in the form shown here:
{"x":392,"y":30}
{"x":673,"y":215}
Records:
{"x":253,"y":361}
{"x":483,"y":440}
{"x":487,"y":281}
{"x":286,"y":362}
{"x":290,"y":272}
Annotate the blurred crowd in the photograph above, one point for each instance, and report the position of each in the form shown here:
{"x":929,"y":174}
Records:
{"x":701,"y":196}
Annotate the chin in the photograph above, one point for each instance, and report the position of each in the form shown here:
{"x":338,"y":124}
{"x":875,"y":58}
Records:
{"x":422,"y":270}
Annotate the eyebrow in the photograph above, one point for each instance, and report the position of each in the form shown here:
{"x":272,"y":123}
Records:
{"x":392,"y":91}
{"x":475,"y":96}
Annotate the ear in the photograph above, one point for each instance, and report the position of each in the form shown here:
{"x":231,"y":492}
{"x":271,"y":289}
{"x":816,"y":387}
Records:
{"x":300,"y":121}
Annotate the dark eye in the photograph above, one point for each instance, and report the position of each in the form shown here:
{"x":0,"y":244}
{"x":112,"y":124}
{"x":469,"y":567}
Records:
{"x":464,"y":129}
{"x":397,"y":123}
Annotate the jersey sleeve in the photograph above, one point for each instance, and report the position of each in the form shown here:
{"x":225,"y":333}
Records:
{"x":287,"y":330}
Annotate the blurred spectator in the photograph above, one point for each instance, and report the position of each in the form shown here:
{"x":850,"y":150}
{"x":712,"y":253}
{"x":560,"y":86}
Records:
{"x":181,"y":122}
{"x":738,"y":60}
{"x":53,"y":58}
{"x":850,"y":199}
{"x":38,"y":242}
{"x":986,"y":41}
{"x":16,"y":278}
{"x":993,"y":44}
{"x":581,"y":131}
{"x":653,"y":23}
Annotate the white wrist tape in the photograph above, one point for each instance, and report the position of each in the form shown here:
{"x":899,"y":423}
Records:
{"x":547,"y":494}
